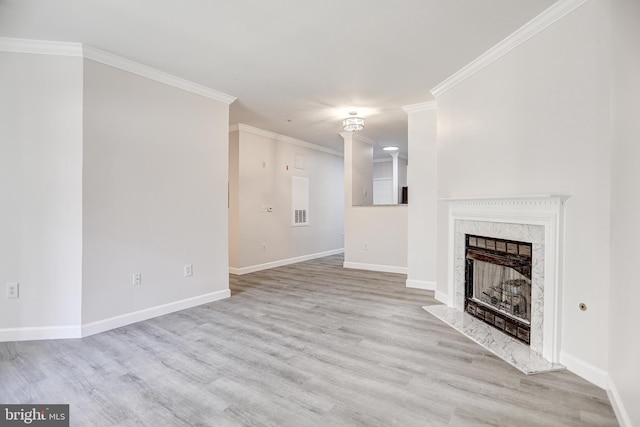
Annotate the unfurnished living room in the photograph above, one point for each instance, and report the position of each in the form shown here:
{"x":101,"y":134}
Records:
{"x":329,"y":213}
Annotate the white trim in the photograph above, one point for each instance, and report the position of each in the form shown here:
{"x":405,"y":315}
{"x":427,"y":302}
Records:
{"x":259,"y":267}
{"x":125,"y":64}
{"x":375,"y":267}
{"x":585,"y":370}
{"x":363,"y":138}
{"x":148,"y":313}
{"x":383,"y":160}
{"x":441,"y":296}
{"x":618,"y":407}
{"x":358,"y":136}
{"x":416,"y":108}
{"x":524,"y":33}
{"x":283,"y":138}
{"x":40,"y":47}
{"x":421,"y":284}
{"x":43,"y":47}
{"x":39,"y":333}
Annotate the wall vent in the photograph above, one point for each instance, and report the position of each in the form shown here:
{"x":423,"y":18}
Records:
{"x":300,"y":216}
{"x":299,"y":201}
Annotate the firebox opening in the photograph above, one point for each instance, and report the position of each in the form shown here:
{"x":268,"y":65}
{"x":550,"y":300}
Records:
{"x":498,"y":284}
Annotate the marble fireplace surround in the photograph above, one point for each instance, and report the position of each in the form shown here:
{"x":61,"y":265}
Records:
{"x":537,"y":219}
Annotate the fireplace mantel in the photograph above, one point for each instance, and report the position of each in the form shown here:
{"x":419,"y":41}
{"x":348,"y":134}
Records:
{"x":538,"y":219}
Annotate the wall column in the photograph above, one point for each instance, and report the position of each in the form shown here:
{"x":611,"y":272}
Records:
{"x":422,"y":216}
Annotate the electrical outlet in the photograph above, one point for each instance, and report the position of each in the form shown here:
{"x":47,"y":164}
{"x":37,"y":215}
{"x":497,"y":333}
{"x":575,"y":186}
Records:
{"x":13,"y":290}
{"x":137,"y":278}
{"x":188,"y":270}
{"x":365,"y":246}
{"x":264,"y":246}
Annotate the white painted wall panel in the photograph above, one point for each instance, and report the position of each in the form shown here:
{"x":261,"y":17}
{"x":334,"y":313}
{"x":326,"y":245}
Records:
{"x":624,"y":351}
{"x":40,"y":189}
{"x":536,"y":121}
{"x":154,"y":194}
{"x":265,"y":171}
{"x":422,"y":207}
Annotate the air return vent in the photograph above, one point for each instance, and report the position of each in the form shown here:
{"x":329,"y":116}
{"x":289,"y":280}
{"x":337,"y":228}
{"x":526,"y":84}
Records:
{"x":299,"y":216}
{"x":299,"y":201}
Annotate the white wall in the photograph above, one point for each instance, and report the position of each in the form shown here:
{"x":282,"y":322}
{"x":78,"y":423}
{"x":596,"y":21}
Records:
{"x":624,"y":348}
{"x":362,"y":173}
{"x":266,"y":164}
{"x":234,"y":199}
{"x":536,"y":121}
{"x":422,"y":208}
{"x":402,"y":176}
{"x":383,"y":181}
{"x":383,"y":168}
{"x":382,"y":172}
{"x":40,"y":193}
{"x":384,"y":231}
{"x":382,"y":228}
{"x":154,"y":194}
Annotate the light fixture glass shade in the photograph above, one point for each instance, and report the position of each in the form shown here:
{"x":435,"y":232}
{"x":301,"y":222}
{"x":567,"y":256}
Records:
{"x":353,"y":124}
{"x":390,"y":148}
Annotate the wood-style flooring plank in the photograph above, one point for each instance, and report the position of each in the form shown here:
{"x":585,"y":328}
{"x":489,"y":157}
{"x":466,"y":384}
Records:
{"x":310,"y":344}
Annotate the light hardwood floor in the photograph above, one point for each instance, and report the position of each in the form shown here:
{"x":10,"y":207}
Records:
{"x":311,"y":344}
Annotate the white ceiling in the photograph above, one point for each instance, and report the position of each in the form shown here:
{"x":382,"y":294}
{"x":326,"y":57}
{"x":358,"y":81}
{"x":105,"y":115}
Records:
{"x":296,"y":66}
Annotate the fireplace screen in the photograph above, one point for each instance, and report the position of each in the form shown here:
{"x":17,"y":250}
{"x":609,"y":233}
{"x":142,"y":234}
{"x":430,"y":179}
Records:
{"x":502,"y":288}
{"x":498,"y":284}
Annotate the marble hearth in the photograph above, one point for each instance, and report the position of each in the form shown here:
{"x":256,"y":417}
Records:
{"x":534,"y":219}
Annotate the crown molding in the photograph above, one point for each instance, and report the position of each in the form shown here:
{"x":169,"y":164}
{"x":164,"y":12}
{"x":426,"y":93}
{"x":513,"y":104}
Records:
{"x":283,"y":138}
{"x":524,"y":33}
{"x":423,"y":106}
{"x":43,"y":47}
{"x":358,"y":136}
{"x":125,"y":64}
{"x":363,"y":138}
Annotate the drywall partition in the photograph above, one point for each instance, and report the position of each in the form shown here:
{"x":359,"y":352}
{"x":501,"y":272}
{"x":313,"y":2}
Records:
{"x":375,"y":236}
{"x":422,"y":208}
{"x":361,"y":172}
{"x":234,"y":196}
{"x":262,"y":184}
{"x":624,"y":346}
{"x":40,"y":195}
{"x":154,"y":197}
{"x":536,"y":121}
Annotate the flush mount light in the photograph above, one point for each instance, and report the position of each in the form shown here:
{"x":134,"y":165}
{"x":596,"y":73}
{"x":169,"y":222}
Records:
{"x":390,"y":148}
{"x":353,"y":123}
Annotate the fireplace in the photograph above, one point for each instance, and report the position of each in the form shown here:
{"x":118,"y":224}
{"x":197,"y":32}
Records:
{"x":498,"y":284}
{"x":518,"y":239}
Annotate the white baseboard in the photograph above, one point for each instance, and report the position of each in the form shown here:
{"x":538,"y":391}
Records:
{"x":585,"y":370}
{"x":421,"y":284}
{"x":618,"y":407}
{"x":148,"y":313}
{"x":375,"y":267}
{"x":282,"y":262}
{"x":39,"y":333}
{"x":441,"y":296}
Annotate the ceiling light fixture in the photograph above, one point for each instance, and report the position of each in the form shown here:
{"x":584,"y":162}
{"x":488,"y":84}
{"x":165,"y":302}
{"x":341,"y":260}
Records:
{"x":390,"y":148}
{"x":353,"y":123}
